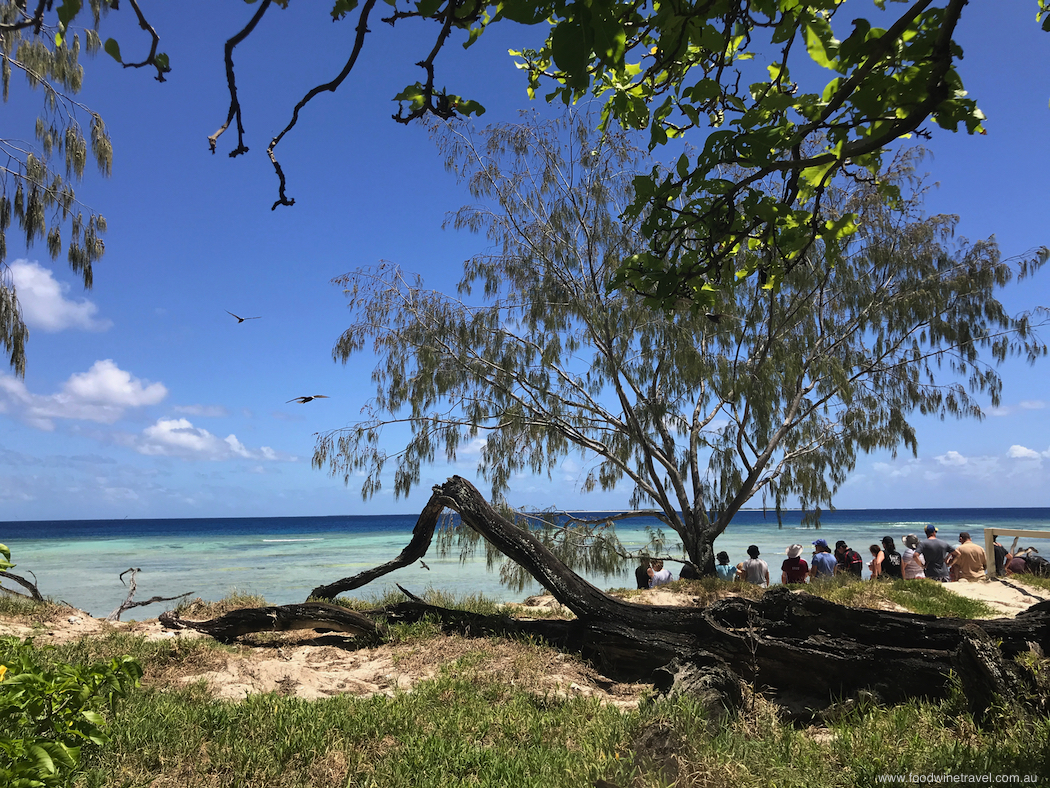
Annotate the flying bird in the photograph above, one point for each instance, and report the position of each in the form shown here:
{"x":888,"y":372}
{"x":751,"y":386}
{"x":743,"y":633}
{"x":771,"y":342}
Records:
{"x":304,"y":400}
{"x":424,"y":565}
{"x":242,"y":319}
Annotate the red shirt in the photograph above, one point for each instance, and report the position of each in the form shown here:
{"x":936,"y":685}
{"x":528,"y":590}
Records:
{"x":796,"y":570}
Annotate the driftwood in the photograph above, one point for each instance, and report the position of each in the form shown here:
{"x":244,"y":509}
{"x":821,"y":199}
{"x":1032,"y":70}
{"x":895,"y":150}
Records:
{"x":128,"y":604}
{"x":310,"y":615}
{"x":34,"y":592}
{"x":806,"y":651}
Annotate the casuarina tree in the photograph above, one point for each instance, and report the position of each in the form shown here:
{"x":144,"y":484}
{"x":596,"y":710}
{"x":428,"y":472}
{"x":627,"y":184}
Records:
{"x":772,"y":393}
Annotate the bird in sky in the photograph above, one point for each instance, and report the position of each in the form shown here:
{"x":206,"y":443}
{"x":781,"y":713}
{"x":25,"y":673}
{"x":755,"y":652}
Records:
{"x":242,"y":319}
{"x":424,"y":565}
{"x":304,"y":400}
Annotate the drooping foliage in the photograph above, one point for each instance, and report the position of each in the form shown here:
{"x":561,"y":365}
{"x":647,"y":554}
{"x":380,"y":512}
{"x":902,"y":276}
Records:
{"x":772,"y":393}
{"x":36,"y":180}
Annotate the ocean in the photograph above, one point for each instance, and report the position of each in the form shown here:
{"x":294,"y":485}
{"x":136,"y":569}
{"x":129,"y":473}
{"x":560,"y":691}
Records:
{"x":283,"y":558}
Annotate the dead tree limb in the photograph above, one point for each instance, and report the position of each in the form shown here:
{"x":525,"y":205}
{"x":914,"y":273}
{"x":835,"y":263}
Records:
{"x":283,"y":618}
{"x":128,"y":604}
{"x":34,"y":592}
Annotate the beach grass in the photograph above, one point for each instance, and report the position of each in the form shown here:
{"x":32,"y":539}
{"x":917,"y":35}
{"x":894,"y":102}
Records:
{"x":1033,"y":581}
{"x":25,"y":610}
{"x":468,"y":728}
{"x":927,"y":597}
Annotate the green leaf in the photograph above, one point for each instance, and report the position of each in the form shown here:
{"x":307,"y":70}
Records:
{"x":820,"y":45}
{"x":162,"y":61}
{"x":42,"y":759}
{"x":525,"y":12}
{"x":341,"y":8}
{"x":569,"y":48}
{"x":67,"y":12}
{"x":113,"y":49}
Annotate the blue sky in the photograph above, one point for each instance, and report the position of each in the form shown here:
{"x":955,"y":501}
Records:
{"x":144,"y":398}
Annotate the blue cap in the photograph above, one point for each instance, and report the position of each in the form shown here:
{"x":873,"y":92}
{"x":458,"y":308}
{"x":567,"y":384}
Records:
{"x":931,"y":529}
{"x":820,"y":543}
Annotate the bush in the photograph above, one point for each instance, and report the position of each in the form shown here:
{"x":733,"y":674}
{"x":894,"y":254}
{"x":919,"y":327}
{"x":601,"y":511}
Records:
{"x":47,"y":713}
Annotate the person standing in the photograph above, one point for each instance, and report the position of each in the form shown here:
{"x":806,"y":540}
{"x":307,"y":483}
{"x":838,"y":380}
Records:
{"x":969,"y":559}
{"x":754,"y":570}
{"x":794,"y":569}
{"x":824,"y":562}
{"x":911,"y":562}
{"x":935,"y":553}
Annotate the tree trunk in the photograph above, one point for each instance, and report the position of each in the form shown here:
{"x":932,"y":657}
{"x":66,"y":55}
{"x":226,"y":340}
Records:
{"x":806,"y":651}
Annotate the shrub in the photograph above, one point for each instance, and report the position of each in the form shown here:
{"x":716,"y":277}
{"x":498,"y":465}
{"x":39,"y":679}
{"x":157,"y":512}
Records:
{"x":48,"y":712}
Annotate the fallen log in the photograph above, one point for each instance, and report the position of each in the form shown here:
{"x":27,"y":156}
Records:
{"x":310,"y":615}
{"x":806,"y":651}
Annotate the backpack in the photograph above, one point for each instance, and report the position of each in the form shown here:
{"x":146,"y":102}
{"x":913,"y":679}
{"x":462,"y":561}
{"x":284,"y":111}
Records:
{"x":1038,"y":565}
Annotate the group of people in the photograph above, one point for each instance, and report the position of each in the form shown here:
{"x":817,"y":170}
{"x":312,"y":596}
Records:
{"x":931,"y":557}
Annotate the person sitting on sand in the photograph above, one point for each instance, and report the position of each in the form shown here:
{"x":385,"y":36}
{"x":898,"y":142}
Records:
{"x":723,"y":569}
{"x":891,"y":560}
{"x":969,"y":559}
{"x":848,"y":560}
{"x":935,"y":552}
{"x":1018,"y":565}
{"x":754,"y":570}
{"x":875,"y":564}
{"x":688,"y":572}
{"x":641,"y":574}
{"x":794,"y":569}
{"x":823,"y":563}
{"x":658,"y":576}
{"x":911,"y":562}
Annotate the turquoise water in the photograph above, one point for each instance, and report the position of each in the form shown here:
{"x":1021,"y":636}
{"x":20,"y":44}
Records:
{"x":282,"y":559}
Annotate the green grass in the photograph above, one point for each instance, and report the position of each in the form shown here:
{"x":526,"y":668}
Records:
{"x":467,"y":729}
{"x":1042,"y":583}
{"x":455,"y":730}
{"x":918,"y":596}
{"x":27,"y":610}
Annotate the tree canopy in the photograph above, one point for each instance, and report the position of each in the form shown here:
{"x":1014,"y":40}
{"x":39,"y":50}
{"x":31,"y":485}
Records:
{"x":772,"y":394}
{"x":780,"y":96}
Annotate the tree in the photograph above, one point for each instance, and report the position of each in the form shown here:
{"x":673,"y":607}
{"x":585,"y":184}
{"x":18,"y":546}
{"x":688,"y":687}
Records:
{"x":772,"y":394}
{"x":685,"y":68}
{"x":36,"y":181}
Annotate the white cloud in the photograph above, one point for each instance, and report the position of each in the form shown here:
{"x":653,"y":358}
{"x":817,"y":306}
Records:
{"x":1032,"y":404}
{"x":951,"y":458}
{"x":179,"y":438}
{"x":1019,"y":452}
{"x":106,"y":383}
{"x":44,"y":303}
{"x":102,"y":394}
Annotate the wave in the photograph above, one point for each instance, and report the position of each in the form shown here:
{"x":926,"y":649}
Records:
{"x":315,"y":539}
